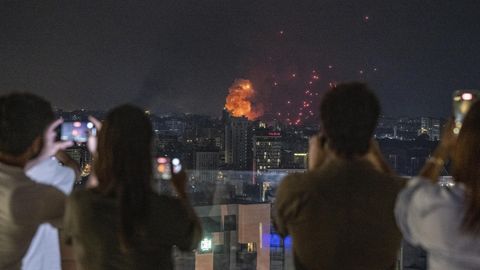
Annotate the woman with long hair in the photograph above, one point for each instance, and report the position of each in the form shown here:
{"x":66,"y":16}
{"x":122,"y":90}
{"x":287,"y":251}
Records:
{"x":121,"y":223}
{"x":445,"y":220}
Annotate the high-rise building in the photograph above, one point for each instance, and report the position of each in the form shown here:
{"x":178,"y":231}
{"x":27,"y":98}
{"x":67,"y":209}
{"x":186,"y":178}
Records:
{"x":408,"y":129}
{"x":431,"y":127}
{"x":80,"y":154}
{"x":84,"y":159}
{"x":237,"y":145}
{"x":267,"y":149}
{"x":206,"y":160}
{"x":206,"y":165}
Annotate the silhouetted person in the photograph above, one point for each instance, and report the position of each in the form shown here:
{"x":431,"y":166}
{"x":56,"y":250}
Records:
{"x":340,"y":213}
{"x":27,"y":136}
{"x":445,"y":221}
{"x":120,"y":223}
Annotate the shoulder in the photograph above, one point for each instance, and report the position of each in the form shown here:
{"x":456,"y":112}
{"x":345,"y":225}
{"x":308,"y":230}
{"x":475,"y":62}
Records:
{"x":290,"y":179}
{"x":51,"y":172}
{"x":82,"y":195}
{"x":165,"y":202}
{"x":90,"y":203}
{"x":163,"y":207}
{"x":423,"y":208}
{"x":85,"y":198}
{"x":29,"y":196}
{"x":422,"y":193}
{"x":393,"y":182}
{"x":295,"y":189}
{"x":292,"y":184}
{"x":31,"y":203}
{"x":421,"y":197}
{"x":31,"y":191}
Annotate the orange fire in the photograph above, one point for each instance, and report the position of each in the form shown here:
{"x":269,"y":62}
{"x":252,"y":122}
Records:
{"x":239,"y":100}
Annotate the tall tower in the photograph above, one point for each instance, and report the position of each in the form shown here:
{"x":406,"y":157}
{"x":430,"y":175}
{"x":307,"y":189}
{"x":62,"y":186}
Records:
{"x":236,"y":142}
{"x":267,"y":149}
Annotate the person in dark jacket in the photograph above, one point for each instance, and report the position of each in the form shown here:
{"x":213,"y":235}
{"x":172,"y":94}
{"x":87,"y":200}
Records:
{"x":121,"y":223}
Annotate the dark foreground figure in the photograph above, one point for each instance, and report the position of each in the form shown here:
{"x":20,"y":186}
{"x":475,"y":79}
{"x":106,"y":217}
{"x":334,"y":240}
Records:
{"x":121,"y":223}
{"x":340,"y":213}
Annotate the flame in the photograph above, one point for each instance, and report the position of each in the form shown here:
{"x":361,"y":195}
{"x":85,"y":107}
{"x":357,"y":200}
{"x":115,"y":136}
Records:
{"x":239,"y":100}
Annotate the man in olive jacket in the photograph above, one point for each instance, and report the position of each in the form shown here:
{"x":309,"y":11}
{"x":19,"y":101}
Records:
{"x":340,"y":212}
{"x":27,"y":136}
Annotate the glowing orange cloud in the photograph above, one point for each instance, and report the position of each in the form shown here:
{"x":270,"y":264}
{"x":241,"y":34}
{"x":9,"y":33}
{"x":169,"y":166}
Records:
{"x":239,"y":100}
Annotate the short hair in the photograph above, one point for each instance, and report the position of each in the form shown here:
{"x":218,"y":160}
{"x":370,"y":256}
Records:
{"x":349,"y":113}
{"x":23,"y":117}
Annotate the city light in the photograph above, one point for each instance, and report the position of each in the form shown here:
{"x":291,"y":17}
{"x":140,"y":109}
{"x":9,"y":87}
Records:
{"x":467,"y":96}
{"x":206,"y":245}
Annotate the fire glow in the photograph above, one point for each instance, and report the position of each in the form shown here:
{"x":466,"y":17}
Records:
{"x":240,"y":100}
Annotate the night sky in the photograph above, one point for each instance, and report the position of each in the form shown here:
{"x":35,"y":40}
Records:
{"x":182,"y":56}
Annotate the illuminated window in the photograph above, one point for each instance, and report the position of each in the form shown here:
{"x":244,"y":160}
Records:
{"x":251,"y":247}
{"x":206,"y":245}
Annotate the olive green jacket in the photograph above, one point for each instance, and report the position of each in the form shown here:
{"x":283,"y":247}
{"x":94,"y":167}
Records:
{"x":24,"y":205}
{"x":92,"y":226}
{"x":340,"y":216}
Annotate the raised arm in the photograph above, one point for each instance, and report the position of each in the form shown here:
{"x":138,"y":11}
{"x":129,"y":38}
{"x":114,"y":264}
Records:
{"x":432,"y":168}
{"x":179,"y":182}
{"x":67,"y":161}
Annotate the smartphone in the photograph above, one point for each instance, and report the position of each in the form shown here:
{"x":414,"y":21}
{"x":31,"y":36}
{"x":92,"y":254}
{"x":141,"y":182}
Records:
{"x":167,"y":166}
{"x":462,"y":101}
{"x":77,"y":131}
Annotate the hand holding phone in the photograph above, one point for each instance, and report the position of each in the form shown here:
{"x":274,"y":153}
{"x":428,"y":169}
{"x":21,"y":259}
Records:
{"x":92,"y":139}
{"x":179,"y":182}
{"x":77,"y":131}
{"x":168,"y":168}
{"x":50,"y":145}
{"x":462,"y":101}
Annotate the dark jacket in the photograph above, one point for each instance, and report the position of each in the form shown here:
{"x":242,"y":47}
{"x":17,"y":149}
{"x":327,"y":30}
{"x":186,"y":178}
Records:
{"x":92,"y":224}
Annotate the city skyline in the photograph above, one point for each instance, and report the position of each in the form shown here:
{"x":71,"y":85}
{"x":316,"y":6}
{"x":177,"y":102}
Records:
{"x":183,"y":56}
